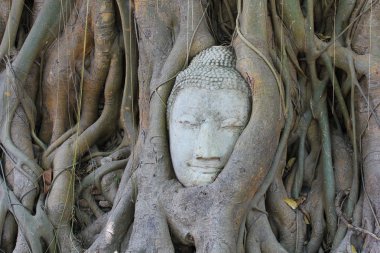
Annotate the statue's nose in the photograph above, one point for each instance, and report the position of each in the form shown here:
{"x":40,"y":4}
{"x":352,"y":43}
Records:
{"x":206,"y":147}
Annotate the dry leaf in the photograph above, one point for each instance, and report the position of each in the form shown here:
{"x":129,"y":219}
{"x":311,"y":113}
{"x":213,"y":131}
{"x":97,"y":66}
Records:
{"x":291,"y":202}
{"x":353,"y":249}
{"x":290,"y":162}
{"x":47,"y":177}
{"x":306,"y":220}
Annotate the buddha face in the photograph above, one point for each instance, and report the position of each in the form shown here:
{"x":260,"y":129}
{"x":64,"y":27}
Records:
{"x":204,"y":126}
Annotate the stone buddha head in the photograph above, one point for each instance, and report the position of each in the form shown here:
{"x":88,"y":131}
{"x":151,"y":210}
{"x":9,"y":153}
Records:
{"x":208,"y":108}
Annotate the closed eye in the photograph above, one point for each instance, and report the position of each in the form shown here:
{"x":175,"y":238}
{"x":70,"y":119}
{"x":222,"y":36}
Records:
{"x":232,"y":123}
{"x":188,"y":121}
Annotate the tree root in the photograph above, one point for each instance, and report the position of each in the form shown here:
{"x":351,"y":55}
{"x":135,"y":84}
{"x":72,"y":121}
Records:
{"x":60,"y":78}
{"x":8,"y":112}
{"x":33,"y":227}
{"x":10,"y":32}
{"x":127,"y":111}
{"x":112,"y":234}
{"x":313,"y":211}
{"x":260,"y":237}
{"x":60,"y":201}
{"x":291,"y":229}
{"x":91,"y":232}
{"x":5,"y":7}
{"x":338,"y":201}
{"x":95,"y":177}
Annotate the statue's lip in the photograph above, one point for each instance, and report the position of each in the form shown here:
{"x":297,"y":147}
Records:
{"x":205,"y":169}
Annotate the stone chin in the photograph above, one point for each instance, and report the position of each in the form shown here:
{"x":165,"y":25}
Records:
{"x":199,"y":176}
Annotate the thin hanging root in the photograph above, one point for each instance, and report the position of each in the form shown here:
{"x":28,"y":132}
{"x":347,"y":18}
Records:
{"x":319,"y":109}
{"x":10,"y":33}
{"x":354,"y":193}
{"x":34,"y":227}
{"x":338,"y":93}
{"x":127,"y":117}
{"x":338,"y":201}
{"x":222,"y":23}
{"x":329,"y":180}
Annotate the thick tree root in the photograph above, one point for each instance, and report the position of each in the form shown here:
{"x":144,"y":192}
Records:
{"x":5,"y":7}
{"x":35,"y":227}
{"x":112,"y":234}
{"x":12,"y":26}
{"x":91,"y":232}
{"x":61,"y":198}
{"x":289,"y":223}
{"x":260,"y":237}
{"x":60,"y":79}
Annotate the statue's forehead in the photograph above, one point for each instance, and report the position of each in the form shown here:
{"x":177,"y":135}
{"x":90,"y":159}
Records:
{"x":193,"y":100}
